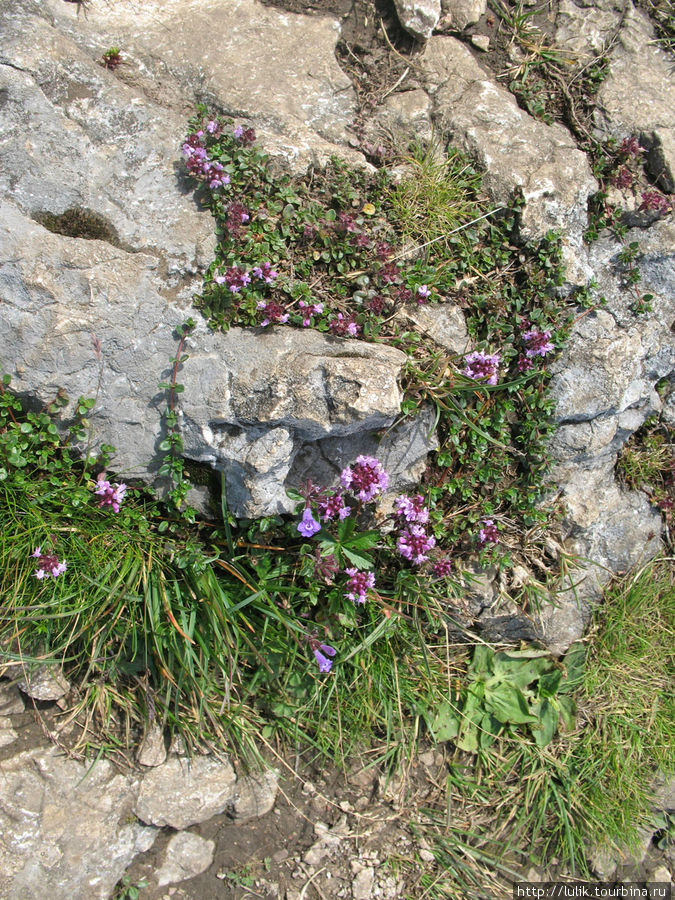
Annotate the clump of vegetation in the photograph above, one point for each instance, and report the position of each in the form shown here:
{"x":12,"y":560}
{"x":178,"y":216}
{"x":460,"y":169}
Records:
{"x":515,"y":803}
{"x":647,"y":463}
{"x":112,"y":58}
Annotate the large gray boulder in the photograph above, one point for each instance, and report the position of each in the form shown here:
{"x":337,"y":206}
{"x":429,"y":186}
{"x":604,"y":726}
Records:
{"x":251,"y":399}
{"x":519,"y":154}
{"x":275,"y":69}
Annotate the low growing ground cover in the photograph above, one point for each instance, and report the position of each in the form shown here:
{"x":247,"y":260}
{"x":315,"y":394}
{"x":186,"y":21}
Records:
{"x":332,"y":629}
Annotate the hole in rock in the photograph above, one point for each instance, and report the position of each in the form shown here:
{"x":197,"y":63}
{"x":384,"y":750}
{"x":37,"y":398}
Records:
{"x":79,"y":222}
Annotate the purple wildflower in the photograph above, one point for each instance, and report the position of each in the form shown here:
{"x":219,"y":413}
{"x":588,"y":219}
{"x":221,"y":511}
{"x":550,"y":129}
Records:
{"x":623,"y":178}
{"x":325,"y":567}
{"x":630,"y":146}
{"x":361,"y":241}
{"x":488,"y":533}
{"x":412,"y":508}
{"x":345,"y":223}
{"x":365,"y":479}
{"x":321,"y":654}
{"x":389,"y":273}
{"x":655,"y":201}
{"x":110,"y":496}
{"x":246,"y":136}
{"x":342,"y":326}
{"x":442,"y":567}
{"x":482,"y":365}
{"x":308,"y":310}
{"x":414,"y":544}
{"x":524,"y":363}
{"x":538,"y":343}
{"x":274,"y":313}
{"x":308,"y":525}
{"x":334,"y":506}
{"x":423,"y":294}
{"x":383,"y":250}
{"x":358,"y":585}
{"x":212,"y":126}
{"x":265,"y":272}
{"x":237,"y":215}
{"x":48,"y":564}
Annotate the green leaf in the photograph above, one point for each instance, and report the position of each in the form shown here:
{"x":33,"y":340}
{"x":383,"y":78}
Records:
{"x":361,"y":562}
{"x":549,"y":683}
{"x":481,"y":664}
{"x":574,"y":661}
{"x":568,"y":711}
{"x":508,"y":705}
{"x":545,"y":729}
{"x":445,"y":726}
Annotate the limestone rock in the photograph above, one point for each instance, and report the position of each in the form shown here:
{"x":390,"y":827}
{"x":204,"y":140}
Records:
{"x":418,"y":17}
{"x":264,"y":397}
{"x":362,"y":886}
{"x":481,"y":42}
{"x":637,"y":96}
{"x":184,"y":792}
{"x":603,"y":386}
{"x":405,"y":116}
{"x":517,"y":152}
{"x":251,"y":398}
{"x":7,"y":734}
{"x":44,"y":683}
{"x":275,"y":70}
{"x":585,"y":32}
{"x":66,"y":827}
{"x":185,"y":856}
{"x":254,"y":796}
{"x":94,"y":144}
{"x":402,"y":449}
{"x":152,"y":751}
{"x":11,"y":701}
{"x":459,"y":14}
{"x":444,"y":323}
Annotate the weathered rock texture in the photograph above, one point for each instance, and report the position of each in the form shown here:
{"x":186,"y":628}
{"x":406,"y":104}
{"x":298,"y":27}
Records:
{"x":69,"y":829}
{"x":65,"y":828}
{"x":185,"y":856}
{"x":637,"y":97}
{"x":418,"y":17}
{"x":183,"y":792}
{"x":604,"y":390}
{"x":519,"y":154}
{"x":459,"y":14}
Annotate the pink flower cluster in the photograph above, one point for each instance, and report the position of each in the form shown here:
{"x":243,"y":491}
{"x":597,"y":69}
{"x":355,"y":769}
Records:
{"x":307,"y":310}
{"x":413,"y":542}
{"x":110,"y":495}
{"x":488,"y":533}
{"x":654,"y":201}
{"x":344,"y":325}
{"x":200,"y":165}
{"x":366,"y":479}
{"x":48,"y":565}
{"x":537,"y":343}
{"x":358,"y":585}
{"x":274,"y":313}
{"x":480,"y":366}
{"x":334,"y":505}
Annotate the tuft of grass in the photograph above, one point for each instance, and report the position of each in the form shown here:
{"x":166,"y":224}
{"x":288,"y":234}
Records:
{"x":439,"y":194}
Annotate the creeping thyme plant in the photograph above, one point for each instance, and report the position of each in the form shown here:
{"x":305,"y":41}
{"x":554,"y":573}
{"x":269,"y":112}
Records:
{"x":334,"y":624}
